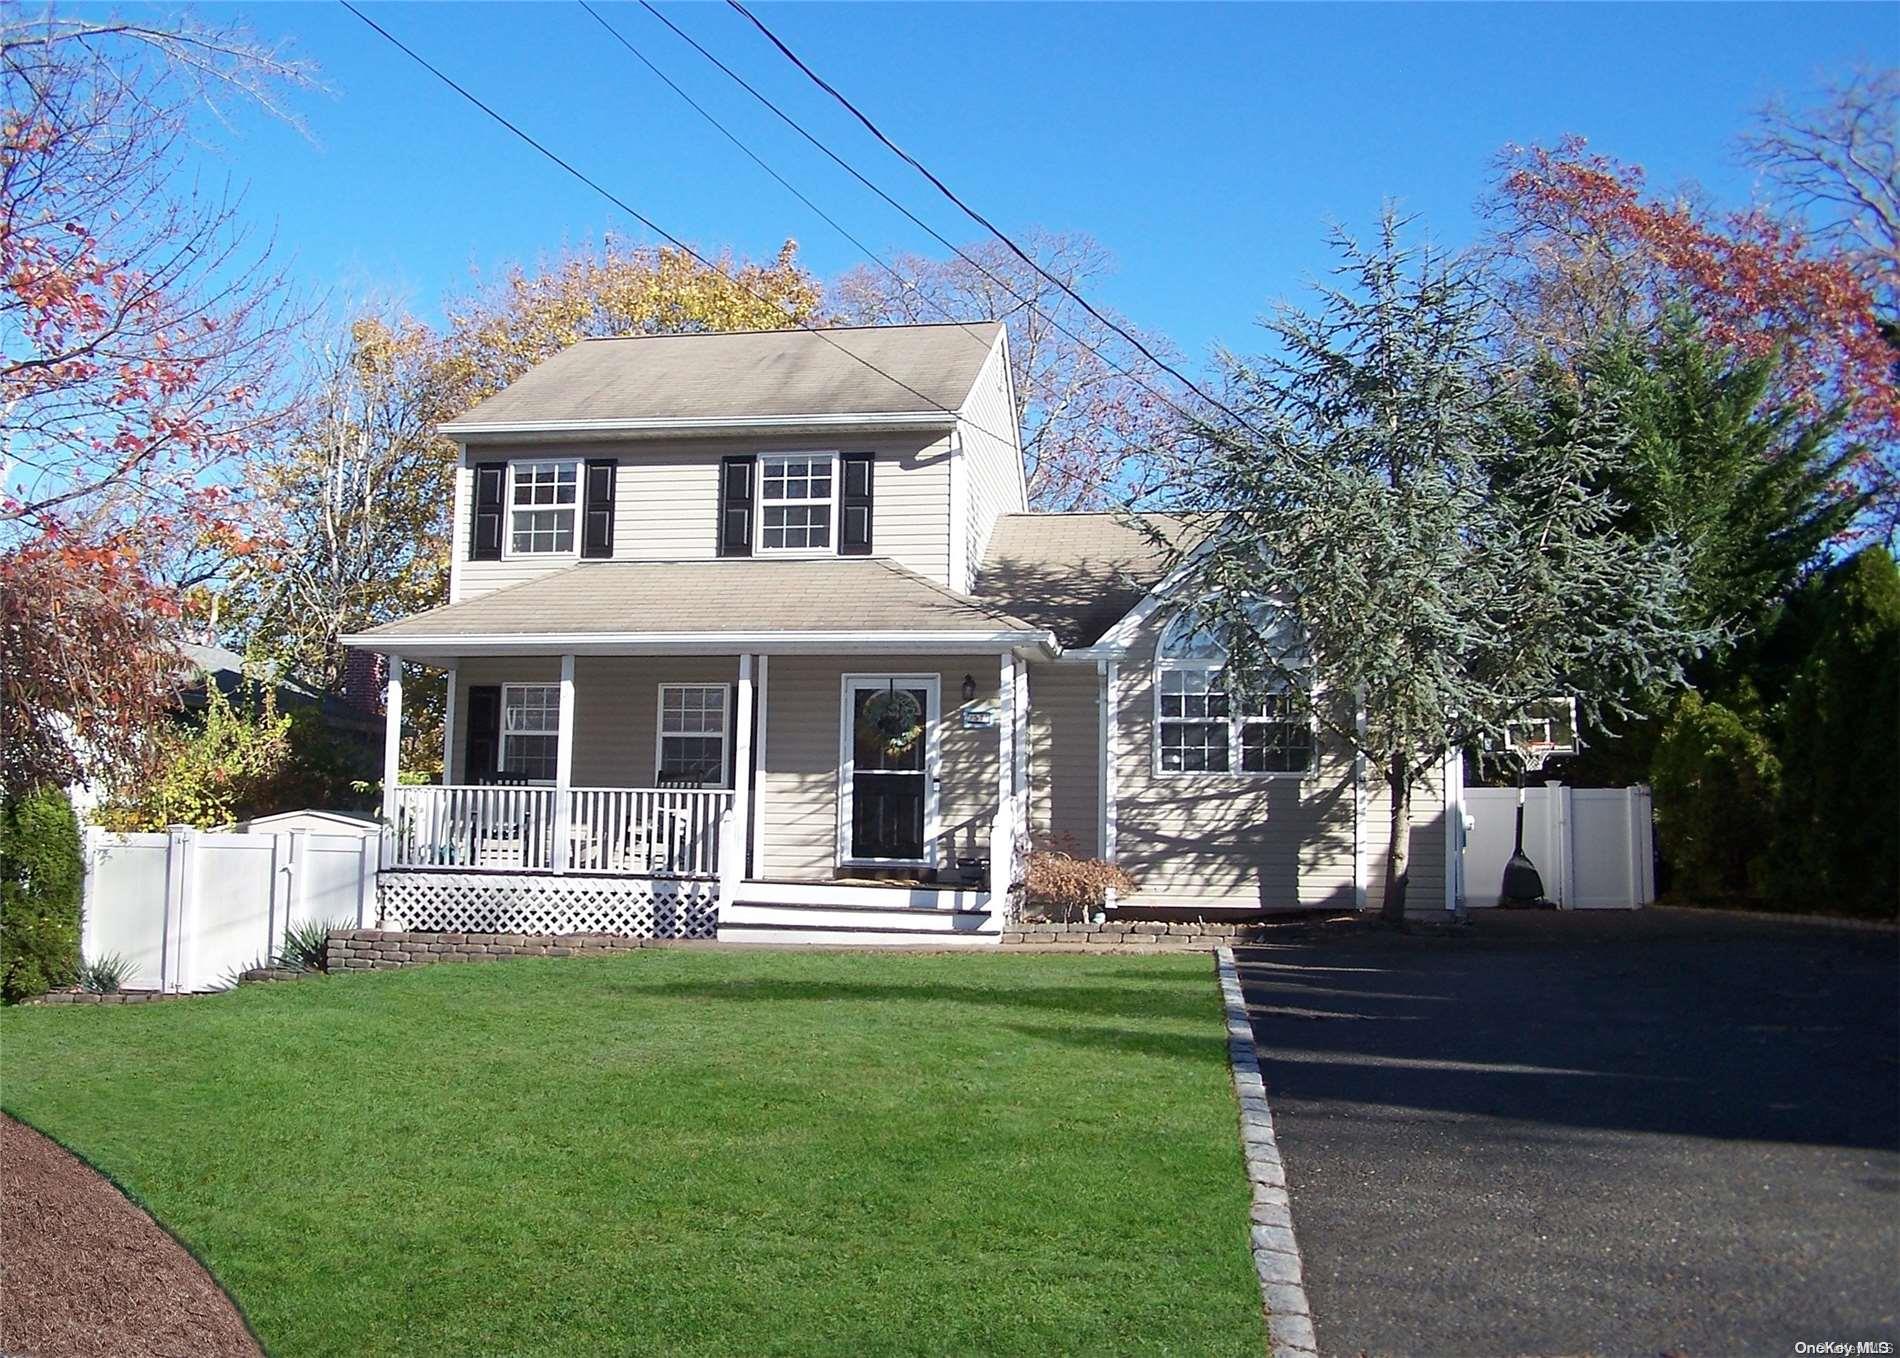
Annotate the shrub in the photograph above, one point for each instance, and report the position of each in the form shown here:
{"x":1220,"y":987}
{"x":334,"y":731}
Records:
{"x":210,"y":768}
{"x":105,"y":975}
{"x":1835,"y":842}
{"x":1062,"y":887}
{"x":306,"y":945}
{"x":42,"y":874}
{"x":1716,"y":784}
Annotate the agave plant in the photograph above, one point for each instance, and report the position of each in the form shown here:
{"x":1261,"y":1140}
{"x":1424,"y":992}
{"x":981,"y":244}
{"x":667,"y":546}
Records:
{"x":305,"y":945}
{"x":105,"y":974}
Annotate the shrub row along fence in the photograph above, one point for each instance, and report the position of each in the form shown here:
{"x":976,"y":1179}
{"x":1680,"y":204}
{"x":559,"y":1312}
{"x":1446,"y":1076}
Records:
{"x":192,"y":910}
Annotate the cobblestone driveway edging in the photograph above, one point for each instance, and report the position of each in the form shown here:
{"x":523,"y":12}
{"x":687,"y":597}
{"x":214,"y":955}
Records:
{"x":1276,"y":1254}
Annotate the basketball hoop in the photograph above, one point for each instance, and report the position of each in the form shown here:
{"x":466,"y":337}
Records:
{"x":1546,"y":729}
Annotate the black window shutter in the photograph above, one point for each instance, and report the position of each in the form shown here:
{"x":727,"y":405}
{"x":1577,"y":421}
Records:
{"x":484,"y":538}
{"x":597,"y":512}
{"x":735,"y":505}
{"x":481,"y":741}
{"x":854,"y":505}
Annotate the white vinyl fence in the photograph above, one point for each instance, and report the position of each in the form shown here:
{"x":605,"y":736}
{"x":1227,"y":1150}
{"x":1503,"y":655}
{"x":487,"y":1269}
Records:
{"x":190,"y":909}
{"x":1593,"y":846}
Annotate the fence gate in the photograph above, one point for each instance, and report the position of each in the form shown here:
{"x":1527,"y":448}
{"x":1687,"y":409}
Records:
{"x":1593,"y":845}
{"x":189,"y":910}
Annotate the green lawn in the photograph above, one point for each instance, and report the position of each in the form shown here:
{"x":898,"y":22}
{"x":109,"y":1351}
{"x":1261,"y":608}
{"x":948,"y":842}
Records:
{"x":684,"y":1151}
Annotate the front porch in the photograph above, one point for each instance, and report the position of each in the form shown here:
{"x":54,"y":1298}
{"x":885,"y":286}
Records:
{"x":676,"y":795}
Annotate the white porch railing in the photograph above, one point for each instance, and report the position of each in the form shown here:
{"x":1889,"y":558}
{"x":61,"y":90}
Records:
{"x":645,"y":831}
{"x":636,"y":831}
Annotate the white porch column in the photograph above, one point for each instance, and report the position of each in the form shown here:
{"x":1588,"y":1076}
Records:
{"x":742,"y":765}
{"x":1110,"y":677}
{"x":392,"y":737}
{"x":1003,"y":824}
{"x":762,"y":698}
{"x":448,"y":726}
{"x":563,"y":768}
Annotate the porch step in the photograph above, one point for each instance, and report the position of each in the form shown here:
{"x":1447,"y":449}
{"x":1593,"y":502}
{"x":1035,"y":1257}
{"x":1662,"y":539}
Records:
{"x":840,"y":936}
{"x":874,"y":919}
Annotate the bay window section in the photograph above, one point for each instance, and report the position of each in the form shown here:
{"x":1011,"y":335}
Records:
{"x":543,"y":500}
{"x":1202,"y":727}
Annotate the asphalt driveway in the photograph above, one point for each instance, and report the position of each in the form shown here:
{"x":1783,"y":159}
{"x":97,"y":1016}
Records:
{"x":1611,"y":1133}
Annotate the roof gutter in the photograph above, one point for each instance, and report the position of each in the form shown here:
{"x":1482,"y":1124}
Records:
{"x":914,"y":419}
{"x":448,"y":644}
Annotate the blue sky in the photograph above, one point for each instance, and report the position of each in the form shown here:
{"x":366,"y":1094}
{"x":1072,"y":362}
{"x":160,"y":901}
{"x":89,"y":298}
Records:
{"x":1206,"y":145}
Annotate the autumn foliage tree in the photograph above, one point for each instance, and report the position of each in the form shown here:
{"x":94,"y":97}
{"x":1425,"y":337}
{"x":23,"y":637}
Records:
{"x":499,"y":332}
{"x":1091,"y":432}
{"x":1586,"y":250}
{"x":139,"y":335}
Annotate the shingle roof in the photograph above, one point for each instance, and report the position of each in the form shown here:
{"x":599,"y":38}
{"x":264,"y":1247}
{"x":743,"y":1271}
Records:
{"x":869,"y":370}
{"x":1075,"y":574}
{"x":661,"y":598}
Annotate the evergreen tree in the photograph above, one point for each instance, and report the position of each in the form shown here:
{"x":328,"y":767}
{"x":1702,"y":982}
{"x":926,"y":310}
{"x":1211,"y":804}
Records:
{"x":1452,"y":554}
{"x":1753,"y":491}
{"x":1838,"y":843}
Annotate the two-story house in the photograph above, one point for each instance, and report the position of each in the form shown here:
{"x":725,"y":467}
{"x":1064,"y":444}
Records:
{"x":755,"y":632}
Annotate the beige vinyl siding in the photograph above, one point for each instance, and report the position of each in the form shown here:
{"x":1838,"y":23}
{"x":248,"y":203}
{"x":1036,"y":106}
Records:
{"x":1065,"y":766}
{"x":1425,"y":891}
{"x":803,"y":724}
{"x":616,"y":706}
{"x":666,"y":501}
{"x":992,"y":457}
{"x":1269,"y":843}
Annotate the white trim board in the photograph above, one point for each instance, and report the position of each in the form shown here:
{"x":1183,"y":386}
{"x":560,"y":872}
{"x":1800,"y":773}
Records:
{"x":451,"y":645}
{"x":940,"y":419}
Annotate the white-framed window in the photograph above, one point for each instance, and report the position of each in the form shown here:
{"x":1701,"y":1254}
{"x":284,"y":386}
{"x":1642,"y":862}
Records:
{"x":798,"y":502}
{"x":693,"y":730}
{"x":1202,"y":728}
{"x":530,"y":730}
{"x":543,"y":504}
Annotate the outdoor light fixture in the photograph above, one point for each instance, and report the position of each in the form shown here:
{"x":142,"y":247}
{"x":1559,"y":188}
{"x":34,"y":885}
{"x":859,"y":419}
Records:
{"x":969,"y":687}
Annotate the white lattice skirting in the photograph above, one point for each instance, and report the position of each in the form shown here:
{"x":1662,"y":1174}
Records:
{"x":541,"y":903}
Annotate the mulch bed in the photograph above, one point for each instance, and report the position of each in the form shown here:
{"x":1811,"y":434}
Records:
{"x":84,"y":1272}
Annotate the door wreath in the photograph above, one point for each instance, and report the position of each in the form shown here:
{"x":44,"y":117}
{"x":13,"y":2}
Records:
{"x":892,"y":720}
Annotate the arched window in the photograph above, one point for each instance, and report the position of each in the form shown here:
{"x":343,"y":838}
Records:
{"x":1201,"y":728}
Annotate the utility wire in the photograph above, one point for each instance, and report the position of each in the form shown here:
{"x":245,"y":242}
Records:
{"x":1026,"y":303}
{"x":750,"y":154}
{"x":648,"y":222}
{"x":979,"y":218}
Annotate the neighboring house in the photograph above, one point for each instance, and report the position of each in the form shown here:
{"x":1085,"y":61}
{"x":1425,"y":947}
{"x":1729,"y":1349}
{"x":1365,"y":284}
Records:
{"x":691,"y":573}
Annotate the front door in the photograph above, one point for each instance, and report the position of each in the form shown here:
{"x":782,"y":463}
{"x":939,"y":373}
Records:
{"x":887,"y":781}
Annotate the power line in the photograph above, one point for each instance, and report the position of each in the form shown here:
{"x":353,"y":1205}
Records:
{"x":1026,"y":303}
{"x":752,"y":155}
{"x":646,"y":221}
{"x":978,"y":217}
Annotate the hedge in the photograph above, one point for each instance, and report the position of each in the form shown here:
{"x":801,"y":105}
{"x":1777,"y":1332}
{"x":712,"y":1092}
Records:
{"x":42,"y":874}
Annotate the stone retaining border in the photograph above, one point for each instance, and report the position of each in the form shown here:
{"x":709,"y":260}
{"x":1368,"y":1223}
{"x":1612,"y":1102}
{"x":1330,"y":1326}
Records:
{"x":1199,"y":936}
{"x":386,"y":949}
{"x":1276,"y":1253}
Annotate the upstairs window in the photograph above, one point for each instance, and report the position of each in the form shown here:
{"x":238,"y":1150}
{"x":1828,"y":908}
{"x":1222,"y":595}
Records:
{"x":530,"y":730}
{"x":543,"y":500}
{"x":797,"y":502}
{"x":1202,"y":728}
